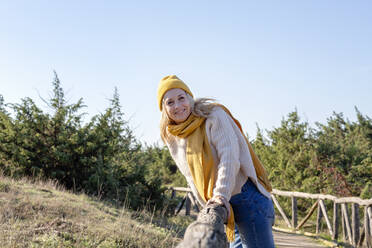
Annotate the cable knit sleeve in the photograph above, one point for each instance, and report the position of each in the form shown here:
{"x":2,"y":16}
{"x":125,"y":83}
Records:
{"x":223,"y":138}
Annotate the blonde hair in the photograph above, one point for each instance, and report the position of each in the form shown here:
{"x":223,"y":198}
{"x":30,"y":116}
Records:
{"x":201,"y":107}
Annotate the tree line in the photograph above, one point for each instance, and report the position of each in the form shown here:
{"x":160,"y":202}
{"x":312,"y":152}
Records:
{"x":103,"y":157}
{"x":333,"y":158}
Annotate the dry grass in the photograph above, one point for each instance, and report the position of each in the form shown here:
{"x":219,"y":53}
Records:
{"x":42,"y":214}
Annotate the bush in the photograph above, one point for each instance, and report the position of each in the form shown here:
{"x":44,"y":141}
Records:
{"x":101,"y":157}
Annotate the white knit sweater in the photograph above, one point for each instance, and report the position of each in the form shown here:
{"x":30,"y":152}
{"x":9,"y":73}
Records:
{"x":230,"y":154}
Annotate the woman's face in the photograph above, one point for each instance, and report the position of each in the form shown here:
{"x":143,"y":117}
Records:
{"x":177,"y":105}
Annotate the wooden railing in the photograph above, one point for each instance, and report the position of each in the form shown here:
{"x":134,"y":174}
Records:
{"x":351,"y":230}
{"x":188,"y":200}
{"x":355,"y":231}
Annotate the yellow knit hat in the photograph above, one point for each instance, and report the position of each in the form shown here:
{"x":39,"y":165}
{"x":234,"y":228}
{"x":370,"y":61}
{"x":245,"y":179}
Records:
{"x":170,"y":82}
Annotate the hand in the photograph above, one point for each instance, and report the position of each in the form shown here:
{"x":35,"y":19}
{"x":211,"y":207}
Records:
{"x":222,"y":201}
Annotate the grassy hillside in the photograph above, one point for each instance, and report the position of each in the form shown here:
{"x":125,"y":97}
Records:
{"x":41,"y":214}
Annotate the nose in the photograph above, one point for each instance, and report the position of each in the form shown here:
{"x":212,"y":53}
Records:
{"x":177,"y":104}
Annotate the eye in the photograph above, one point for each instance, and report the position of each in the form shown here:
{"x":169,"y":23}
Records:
{"x":169,"y":103}
{"x":181,"y":98}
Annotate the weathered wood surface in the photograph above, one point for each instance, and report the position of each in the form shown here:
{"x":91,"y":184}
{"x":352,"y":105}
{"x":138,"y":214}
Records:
{"x":323,"y":197}
{"x":285,"y":239}
{"x":336,"y":219}
{"x":294,"y":211}
{"x":306,"y":195}
{"x":367,"y":227}
{"x":318,"y":220}
{"x":324,"y":211}
{"x":355,"y":223}
{"x":312,"y":209}
{"x":347,"y":232}
{"x":281,"y":211}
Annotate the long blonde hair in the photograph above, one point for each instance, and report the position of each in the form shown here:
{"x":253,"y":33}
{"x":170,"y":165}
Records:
{"x":199,"y":107}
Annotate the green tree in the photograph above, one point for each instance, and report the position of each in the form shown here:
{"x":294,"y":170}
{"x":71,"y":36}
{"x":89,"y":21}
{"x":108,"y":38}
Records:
{"x":162,"y":166}
{"x":6,"y":143}
{"x":101,"y":157}
{"x":343,"y":154}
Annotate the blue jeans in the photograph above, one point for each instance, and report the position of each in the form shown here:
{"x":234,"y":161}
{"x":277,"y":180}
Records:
{"x":254,"y":217}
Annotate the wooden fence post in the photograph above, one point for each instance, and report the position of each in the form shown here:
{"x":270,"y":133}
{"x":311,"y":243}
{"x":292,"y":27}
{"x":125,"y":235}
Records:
{"x":318,"y":219}
{"x":336,"y":218}
{"x":281,"y":211}
{"x":193,"y":202}
{"x":355,"y":222}
{"x":367,"y":227}
{"x":308,"y":215}
{"x":324,"y":210}
{"x":344,"y":232}
{"x":369,"y":210}
{"x":294,"y":212}
{"x":347,"y":222}
{"x":188,"y":205}
{"x":173,"y":193}
{"x":180,"y":206}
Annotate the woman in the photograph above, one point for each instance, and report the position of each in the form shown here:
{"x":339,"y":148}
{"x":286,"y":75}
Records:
{"x":218,"y":162}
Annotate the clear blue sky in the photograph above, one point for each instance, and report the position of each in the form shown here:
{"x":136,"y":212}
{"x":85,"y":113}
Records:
{"x":262,"y":59}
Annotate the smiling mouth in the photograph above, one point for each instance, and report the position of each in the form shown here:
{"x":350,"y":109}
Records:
{"x":180,"y":112}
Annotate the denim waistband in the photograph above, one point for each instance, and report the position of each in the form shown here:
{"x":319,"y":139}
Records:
{"x":248,"y":185}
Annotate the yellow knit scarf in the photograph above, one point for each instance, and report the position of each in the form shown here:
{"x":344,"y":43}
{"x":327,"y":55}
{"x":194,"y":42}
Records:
{"x":201,"y":164}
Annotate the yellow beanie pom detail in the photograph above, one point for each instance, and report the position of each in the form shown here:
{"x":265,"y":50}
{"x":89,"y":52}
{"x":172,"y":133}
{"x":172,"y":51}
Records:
{"x":170,"y":82}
